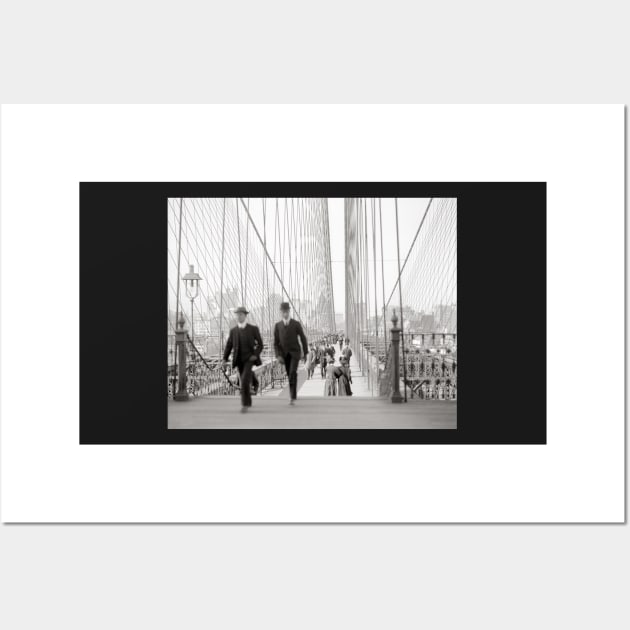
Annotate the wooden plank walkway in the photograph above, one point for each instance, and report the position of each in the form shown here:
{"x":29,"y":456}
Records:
{"x":274,"y":412}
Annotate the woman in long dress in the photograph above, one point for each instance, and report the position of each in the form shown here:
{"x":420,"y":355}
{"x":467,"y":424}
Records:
{"x":344,"y":379}
{"x":330,"y":386}
{"x":308,"y":364}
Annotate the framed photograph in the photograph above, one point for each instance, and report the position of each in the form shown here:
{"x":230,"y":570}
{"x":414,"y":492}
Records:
{"x":387,"y":316}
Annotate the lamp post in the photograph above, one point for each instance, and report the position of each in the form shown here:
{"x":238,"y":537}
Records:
{"x":191,"y":280}
{"x":180,"y":339}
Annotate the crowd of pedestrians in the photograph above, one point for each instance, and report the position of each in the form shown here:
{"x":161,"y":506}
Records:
{"x":334,"y":372}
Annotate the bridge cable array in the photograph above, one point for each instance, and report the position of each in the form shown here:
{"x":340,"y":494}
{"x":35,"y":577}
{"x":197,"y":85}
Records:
{"x":252,"y":252}
{"x":423,"y":287}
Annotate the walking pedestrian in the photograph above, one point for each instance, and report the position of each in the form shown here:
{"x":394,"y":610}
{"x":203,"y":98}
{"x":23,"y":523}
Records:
{"x":245,"y":344}
{"x":344,"y":379}
{"x":323,"y":363}
{"x":291,"y":345}
{"x":315,"y":360}
{"x":310,"y":363}
{"x":330,"y":386}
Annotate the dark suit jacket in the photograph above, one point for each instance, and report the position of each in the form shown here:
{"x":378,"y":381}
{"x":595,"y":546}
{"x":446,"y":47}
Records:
{"x":285,"y":338}
{"x":253,"y":344}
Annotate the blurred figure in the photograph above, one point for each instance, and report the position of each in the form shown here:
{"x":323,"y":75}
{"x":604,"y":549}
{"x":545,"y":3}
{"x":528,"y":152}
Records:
{"x":322,"y":364}
{"x":291,"y":345}
{"x":310,"y":363}
{"x":346,"y":353}
{"x":344,"y":379}
{"x":330,"y":386}
{"x":246,"y":344}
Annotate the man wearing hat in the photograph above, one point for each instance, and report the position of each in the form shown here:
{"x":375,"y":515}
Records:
{"x":245,"y":340}
{"x":288,"y":334}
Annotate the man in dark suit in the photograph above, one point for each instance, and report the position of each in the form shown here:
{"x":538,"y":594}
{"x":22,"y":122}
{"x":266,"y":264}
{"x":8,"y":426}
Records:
{"x":347,"y":351}
{"x":323,"y":363}
{"x":288,"y":334}
{"x":245,"y":340}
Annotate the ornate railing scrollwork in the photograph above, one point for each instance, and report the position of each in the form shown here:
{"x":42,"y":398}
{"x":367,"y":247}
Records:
{"x":431,"y":360}
{"x":205,"y":376}
{"x":431,"y":364}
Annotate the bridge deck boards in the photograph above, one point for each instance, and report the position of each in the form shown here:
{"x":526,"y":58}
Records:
{"x":311,"y":413}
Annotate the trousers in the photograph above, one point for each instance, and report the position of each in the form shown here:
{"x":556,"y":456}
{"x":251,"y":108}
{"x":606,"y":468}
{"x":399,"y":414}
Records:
{"x":247,"y":377}
{"x":291,"y":360}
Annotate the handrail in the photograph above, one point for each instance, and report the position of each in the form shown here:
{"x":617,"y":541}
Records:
{"x":202,"y":374}
{"x":429,"y":375}
{"x":211,"y":367}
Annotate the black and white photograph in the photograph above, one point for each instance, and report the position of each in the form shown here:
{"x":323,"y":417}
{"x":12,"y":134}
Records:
{"x":314,"y":203}
{"x":312,"y":313}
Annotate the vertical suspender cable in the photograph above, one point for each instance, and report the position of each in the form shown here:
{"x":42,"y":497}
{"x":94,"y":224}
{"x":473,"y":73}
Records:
{"x":357,"y":308}
{"x":360,"y":278}
{"x":402,"y":330}
{"x":367,"y":285}
{"x":380,"y":217}
{"x":276,"y":246}
{"x":290,"y":233}
{"x":246,"y":259}
{"x":266,"y":307}
{"x":346,"y":266}
{"x":284,"y":249}
{"x":365,"y":297}
{"x":313,"y":289}
{"x":331,"y":297}
{"x":238,"y":237}
{"x":221,"y":289}
{"x":179,"y":257}
{"x":375,"y":289}
{"x":299,"y":259}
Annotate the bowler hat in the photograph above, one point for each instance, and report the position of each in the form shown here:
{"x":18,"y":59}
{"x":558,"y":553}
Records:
{"x":285,"y":306}
{"x":241,"y":309}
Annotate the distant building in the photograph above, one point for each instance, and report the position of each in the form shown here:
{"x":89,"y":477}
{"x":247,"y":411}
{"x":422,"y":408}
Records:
{"x":427,"y":323}
{"x":445,"y":317}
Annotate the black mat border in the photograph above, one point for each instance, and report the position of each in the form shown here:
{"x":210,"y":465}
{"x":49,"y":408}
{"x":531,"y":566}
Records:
{"x":501,"y":312}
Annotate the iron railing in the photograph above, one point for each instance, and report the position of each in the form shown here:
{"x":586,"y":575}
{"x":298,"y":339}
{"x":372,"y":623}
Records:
{"x":429,"y":361}
{"x":205,"y":375}
{"x":431,"y":365}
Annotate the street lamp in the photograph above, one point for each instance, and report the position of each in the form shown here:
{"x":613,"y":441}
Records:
{"x":191,"y":280}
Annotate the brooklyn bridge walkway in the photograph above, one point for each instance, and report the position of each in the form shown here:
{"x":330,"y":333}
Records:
{"x":312,"y":413}
{"x":313,"y":410}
